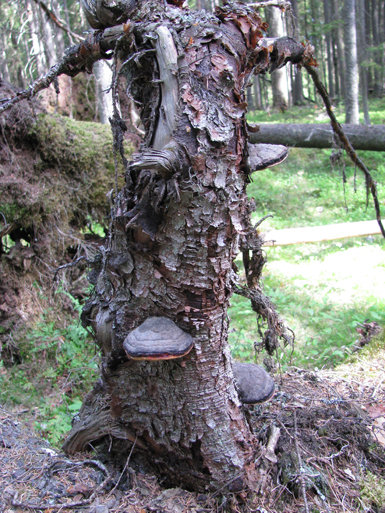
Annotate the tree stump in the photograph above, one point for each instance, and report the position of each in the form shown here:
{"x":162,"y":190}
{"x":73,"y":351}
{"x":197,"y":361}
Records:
{"x":177,"y":227}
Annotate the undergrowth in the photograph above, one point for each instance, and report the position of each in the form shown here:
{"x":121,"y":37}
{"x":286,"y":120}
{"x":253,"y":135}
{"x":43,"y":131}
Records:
{"x":58,"y":365}
{"x":324,"y":291}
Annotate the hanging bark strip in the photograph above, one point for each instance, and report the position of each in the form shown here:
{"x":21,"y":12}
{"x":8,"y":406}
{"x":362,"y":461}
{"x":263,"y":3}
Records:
{"x":345,"y":143}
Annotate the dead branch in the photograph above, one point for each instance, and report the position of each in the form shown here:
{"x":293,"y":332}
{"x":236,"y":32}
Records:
{"x":66,"y":266}
{"x":282,"y":4}
{"x":370,"y":183}
{"x":301,"y":476}
{"x":78,"y":58}
{"x":57,"y":21}
{"x":275,"y":433}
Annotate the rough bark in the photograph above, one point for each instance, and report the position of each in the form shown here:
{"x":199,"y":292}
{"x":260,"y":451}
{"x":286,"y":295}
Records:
{"x":176,"y":229}
{"x":370,"y":138}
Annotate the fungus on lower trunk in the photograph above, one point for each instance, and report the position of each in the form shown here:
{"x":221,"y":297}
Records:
{"x":157,"y":338}
{"x":253,"y":383}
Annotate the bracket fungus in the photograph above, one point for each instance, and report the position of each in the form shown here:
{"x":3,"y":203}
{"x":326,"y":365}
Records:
{"x":253,"y":383}
{"x":157,"y":338}
{"x":262,"y":156}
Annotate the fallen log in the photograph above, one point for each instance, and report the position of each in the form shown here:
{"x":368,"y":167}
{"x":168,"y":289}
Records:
{"x":306,"y":234}
{"x":362,"y":137}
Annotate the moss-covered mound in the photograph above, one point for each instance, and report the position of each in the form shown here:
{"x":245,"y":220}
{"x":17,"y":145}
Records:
{"x":55,"y":176}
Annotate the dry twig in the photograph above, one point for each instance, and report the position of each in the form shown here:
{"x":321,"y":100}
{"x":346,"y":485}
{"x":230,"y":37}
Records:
{"x":69,"y":505}
{"x":301,"y":476}
{"x":370,"y":183}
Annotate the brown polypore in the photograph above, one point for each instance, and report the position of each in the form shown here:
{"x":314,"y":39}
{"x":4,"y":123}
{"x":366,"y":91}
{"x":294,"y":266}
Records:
{"x":157,"y":338}
{"x":253,"y":383}
{"x":261,"y":156}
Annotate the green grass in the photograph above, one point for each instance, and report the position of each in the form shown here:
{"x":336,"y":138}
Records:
{"x":316,"y":114}
{"x":322,"y":290}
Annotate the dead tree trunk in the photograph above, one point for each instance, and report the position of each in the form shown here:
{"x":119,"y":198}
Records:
{"x":371,"y":138}
{"x":176,"y":228}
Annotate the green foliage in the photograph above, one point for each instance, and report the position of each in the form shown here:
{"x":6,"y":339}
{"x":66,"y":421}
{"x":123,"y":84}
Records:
{"x":372,"y":492}
{"x":316,"y":114}
{"x":59,"y":364}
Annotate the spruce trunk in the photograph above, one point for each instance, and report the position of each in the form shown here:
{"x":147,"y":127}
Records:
{"x":176,"y":229}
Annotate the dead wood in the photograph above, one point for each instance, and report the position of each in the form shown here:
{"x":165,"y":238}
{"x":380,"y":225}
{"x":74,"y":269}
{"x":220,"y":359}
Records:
{"x":371,"y":186}
{"x":361,"y":137}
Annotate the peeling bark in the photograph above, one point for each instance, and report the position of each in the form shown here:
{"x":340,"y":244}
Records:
{"x":177,"y":227}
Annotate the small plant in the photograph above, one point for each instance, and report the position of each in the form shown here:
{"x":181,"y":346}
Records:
{"x":372,"y":492}
{"x":59,"y":364}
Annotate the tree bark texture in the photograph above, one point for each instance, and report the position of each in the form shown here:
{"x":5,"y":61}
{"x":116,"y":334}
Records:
{"x":371,"y":138}
{"x":177,"y":226}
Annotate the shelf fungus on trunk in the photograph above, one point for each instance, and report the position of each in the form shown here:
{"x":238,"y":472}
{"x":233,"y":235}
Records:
{"x":253,"y":383}
{"x":157,"y":338}
{"x":262,"y":156}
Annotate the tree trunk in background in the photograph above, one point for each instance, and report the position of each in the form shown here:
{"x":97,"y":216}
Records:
{"x":257,"y":93}
{"x":103,"y":76}
{"x":329,"y":53}
{"x":339,"y":45}
{"x":378,"y":52}
{"x":4,"y":70}
{"x":317,"y":42}
{"x":363,"y":58}
{"x":352,"y":72}
{"x":298,"y":98}
{"x":279,"y":77}
{"x":382,"y":38}
{"x":36,"y":63}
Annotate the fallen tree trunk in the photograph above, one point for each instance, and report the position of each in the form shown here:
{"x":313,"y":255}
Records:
{"x":302,"y":235}
{"x":362,"y":137}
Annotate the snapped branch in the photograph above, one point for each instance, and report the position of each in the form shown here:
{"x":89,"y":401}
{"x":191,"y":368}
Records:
{"x":78,"y":58}
{"x":371,"y":186}
{"x":57,"y":21}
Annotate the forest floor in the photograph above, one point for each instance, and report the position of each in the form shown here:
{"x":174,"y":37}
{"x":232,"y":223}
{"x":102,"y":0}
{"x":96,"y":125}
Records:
{"x":320,"y":448}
